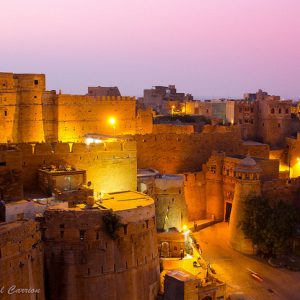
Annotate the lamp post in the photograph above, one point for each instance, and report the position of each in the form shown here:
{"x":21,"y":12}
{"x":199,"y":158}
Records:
{"x":112,"y":122}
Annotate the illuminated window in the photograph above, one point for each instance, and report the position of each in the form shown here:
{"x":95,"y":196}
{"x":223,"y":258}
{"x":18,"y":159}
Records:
{"x":213,"y":169}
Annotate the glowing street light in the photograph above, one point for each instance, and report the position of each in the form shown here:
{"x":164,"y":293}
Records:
{"x":173,"y":107}
{"x":112,"y":122}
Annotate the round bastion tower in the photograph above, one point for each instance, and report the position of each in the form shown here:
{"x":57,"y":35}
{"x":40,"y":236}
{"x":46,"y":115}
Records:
{"x":82,"y":261}
{"x":30,"y":88}
{"x":247,"y":175}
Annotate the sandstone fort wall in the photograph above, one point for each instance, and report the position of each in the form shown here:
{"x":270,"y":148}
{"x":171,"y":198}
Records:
{"x":80,"y":115}
{"x":21,"y":259}
{"x":195,"y":194}
{"x":179,"y":153}
{"x":110,"y":166}
{"x":83,"y":261}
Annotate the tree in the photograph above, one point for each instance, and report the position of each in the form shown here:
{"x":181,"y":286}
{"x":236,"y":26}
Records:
{"x":111,"y":224}
{"x":270,"y":225}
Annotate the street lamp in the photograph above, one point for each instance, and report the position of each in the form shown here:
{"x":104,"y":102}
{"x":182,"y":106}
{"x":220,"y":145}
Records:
{"x":112,"y":122}
{"x":173,"y":106}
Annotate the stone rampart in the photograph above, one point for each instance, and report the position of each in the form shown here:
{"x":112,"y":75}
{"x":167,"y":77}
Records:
{"x":83,"y":261}
{"x":80,"y":115}
{"x":179,"y":153}
{"x":195,"y":195}
{"x":110,"y":166}
{"x":21,"y":260}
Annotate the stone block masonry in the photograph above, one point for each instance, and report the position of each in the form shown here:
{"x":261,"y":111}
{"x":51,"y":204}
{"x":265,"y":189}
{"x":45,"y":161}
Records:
{"x":21,"y":261}
{"x":110,"y":166}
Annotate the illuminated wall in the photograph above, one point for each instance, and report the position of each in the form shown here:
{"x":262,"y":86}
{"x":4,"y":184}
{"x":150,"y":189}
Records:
{"x":80,"y":115}
{"x":28,"y":113}
{"x":293,"y":156}
{"x":110,"y":166}
{"x":178,"y":153}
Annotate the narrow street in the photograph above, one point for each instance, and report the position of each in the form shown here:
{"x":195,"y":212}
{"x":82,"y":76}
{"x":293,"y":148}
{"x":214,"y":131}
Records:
{"x":231,"y":267}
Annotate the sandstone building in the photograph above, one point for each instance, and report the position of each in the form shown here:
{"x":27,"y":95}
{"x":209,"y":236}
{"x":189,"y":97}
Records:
{"x":165,"y":99}
{"x":29,"y":113}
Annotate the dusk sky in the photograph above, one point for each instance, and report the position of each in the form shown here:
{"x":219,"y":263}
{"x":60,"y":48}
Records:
{"x":210,"y":48}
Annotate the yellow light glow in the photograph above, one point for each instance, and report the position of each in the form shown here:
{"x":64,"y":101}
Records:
{"x":283,"y":168}
{"x":90,"y":140}
{"x":173,"y":106}
{"x":184,"y":227}
{"x":112,"y":120}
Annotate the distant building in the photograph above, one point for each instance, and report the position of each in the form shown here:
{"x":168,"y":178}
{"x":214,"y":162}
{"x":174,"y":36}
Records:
{"x":180,"y":285}
{"x":262,"y":117}
{"x":165,"y":99}
{"x":104,"y":91}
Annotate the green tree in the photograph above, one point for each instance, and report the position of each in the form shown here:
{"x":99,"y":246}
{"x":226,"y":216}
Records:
{"x":270,"y":225}
{"x":112,"y":224}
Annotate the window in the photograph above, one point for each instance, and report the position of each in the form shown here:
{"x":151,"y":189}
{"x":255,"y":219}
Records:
{"x":2,"y":163}
{"x":20,"y":216}
{"x":286,"y":110}
{"x":240,"y":109}
{"x":278,"y":125}
{"x":252,"y":109}
{"x":279,"y":110}
{"x":251,"y":121}
{"x":213,"y":169}
{"x":240,"y":121}
{"x":5,"y":113}
{"x":272,"y":111}
{"x":81,"y":233}
{"x":36,"y":82}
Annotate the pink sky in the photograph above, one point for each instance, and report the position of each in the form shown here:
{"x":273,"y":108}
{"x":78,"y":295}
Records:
{"x":210,"y":48}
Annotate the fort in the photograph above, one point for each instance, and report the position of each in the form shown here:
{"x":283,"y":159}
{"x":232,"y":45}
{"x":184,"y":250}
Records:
{"x":29,"y":113}
{"x":69,"y":161}
{"x":83,"y":260}
{"x":105,"y":163}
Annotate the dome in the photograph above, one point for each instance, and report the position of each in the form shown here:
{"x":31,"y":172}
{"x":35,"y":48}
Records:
{"x":248,"y":162}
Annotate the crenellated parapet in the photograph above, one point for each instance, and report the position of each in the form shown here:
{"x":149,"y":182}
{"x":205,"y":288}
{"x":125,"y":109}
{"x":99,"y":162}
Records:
{"x":110,"y":165}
